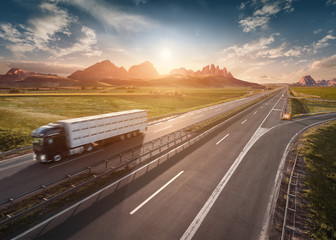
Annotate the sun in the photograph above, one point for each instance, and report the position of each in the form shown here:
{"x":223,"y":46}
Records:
{"x":166,"y":53}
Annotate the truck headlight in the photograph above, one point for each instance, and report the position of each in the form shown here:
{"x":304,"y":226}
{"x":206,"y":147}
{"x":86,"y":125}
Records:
{"x":42,"y":157}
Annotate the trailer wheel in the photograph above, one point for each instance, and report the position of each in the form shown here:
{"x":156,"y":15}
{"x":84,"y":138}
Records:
{"x":89,"y":147}
{"x":57,"y":157}
{"x":122,"y":137}
{"x":134,"y":133}
{"x":129,"y":135}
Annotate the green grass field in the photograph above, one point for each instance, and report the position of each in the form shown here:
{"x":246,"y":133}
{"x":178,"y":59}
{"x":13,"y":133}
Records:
{"x":310,"y":100}
{"x":21,"y":114}
{"x":318,"y":151}
{"x":315,"y":92}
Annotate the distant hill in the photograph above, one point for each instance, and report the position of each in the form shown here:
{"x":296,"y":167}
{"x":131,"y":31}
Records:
{"x":106,"y":73}
{"x":208,"y":70}
{"x":16,"y":74}
{"x":210,"y":76}
{"x":143,"y":70}
{"x":99,"y":71}
{"x":106,"y":69}
{"x":16,"y":77}
{"x":308,"y":81}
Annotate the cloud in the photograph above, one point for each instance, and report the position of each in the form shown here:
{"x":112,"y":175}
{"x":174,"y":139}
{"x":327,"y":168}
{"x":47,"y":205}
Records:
{"x":331,"y":2}
{"x":18,"y":42}
{"x":296,"y":51}
{"x":84,"y":45}
{"x":322,"y":43}
{"x":138,"y":2}
{"x":317,"y":31}
{"x":267,"y":10}
{"x":251,"y":23}
{"x":326,"y":63}
{"x":46,"y":32}
{"x":256,"y":49}
{"x":264,"y":11}
{"x":52,"y":20}
{"x":113,"y":17}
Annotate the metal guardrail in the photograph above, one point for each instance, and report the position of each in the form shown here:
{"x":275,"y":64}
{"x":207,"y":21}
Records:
{"x":3,"y":154}
{"x":160,"y":146}
{"x":288,"y":229}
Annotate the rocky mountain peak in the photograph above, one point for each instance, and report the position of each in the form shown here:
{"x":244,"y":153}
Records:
{"x":210,"y":70}
{"x":307,"y":81}
{"x":143,"y":70}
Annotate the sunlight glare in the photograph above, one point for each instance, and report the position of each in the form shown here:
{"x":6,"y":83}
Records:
{"x":166,"y":53}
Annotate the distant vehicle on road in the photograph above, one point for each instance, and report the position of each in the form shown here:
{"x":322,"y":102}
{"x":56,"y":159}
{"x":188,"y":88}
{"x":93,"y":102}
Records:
{"x":53,"y":142}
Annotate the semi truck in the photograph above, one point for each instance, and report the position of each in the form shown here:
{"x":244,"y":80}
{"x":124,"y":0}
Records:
{"x":53,"y":142}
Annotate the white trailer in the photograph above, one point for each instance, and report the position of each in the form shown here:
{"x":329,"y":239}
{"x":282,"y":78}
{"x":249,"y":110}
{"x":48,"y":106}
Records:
{"x":54,"y":141}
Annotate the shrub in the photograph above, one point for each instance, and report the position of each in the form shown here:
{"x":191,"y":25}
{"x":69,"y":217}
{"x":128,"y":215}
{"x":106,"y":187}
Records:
{"x":14,"y":138}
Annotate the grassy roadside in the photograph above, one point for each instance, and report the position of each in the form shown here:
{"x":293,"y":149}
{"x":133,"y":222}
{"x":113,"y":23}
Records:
{"x":303,"y":101}
{"x":20,"y":115}
{"x":317,"y":147}
{"x":314,"y":92}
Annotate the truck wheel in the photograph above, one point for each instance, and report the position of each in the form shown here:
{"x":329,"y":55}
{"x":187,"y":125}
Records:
{"x":129,"y":135}
{"x":134,"y":133}
{"x":57,"y":157}
{"x":122,"y":137}
{"x":89,"y":147}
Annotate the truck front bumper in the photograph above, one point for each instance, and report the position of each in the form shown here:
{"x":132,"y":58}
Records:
{"x":41,"y":158}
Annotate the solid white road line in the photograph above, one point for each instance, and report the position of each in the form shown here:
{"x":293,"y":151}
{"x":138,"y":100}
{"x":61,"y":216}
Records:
{"x":162,"y":129}
{"x":222,"y":139}
{"x":196,"y":223}
{"x":243,"y":121}
{"x":198,"y":116}
{"x":275,"y":191}
{"x":154,"y":194}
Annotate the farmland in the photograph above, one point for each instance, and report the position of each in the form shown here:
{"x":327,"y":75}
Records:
{"x":21,"y":113}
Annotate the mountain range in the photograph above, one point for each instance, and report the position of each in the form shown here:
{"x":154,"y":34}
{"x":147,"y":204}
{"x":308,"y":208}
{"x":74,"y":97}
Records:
{"x":106,"y":69}
{"x":105,"y":73}
{"x":145,"y":74}
{"x":16,"y":77}
{"x":209,"y":70}
{"x":308,"y":81}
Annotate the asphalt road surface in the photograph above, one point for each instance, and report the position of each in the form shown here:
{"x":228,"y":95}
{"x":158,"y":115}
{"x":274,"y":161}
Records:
{"x":219,"y":188}
{"x":23,"y":174}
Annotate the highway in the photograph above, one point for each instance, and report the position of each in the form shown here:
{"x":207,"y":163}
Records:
{"x":23,"y":174}
{"x":222,"y":187}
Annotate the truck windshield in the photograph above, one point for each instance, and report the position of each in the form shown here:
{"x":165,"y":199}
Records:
{"x":38,"y":141}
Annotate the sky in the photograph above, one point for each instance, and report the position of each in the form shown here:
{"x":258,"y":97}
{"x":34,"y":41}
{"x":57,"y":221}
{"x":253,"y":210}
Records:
{"x":256,"y":40}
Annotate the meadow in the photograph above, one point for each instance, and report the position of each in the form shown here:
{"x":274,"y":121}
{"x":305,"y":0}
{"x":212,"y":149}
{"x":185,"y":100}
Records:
{"x":312,"y":100}
{"x":22,"y":113}
{"x":315,"y":92}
